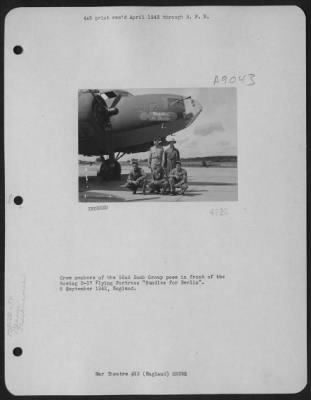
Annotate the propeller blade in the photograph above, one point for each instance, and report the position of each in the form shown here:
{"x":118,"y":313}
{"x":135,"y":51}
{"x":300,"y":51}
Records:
{"x":116,"y":101}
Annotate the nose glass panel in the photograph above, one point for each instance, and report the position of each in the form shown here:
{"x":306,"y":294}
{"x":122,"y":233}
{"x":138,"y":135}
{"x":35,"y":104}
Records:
{"x":193,"y":109}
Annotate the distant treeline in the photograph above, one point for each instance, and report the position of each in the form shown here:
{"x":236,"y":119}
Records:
{"x":215,"y":159}
{"x":198,"y":160}
{"x":208,"y":161}
{"x":211,"y":161}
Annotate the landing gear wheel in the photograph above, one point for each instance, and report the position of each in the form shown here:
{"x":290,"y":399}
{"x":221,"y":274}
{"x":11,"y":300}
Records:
{"x":116,"y":170}
{"x":103,"y":170}
{"x":110,"y":170}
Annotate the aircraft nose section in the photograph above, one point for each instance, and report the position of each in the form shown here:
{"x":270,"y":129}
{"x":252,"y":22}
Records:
{"x":193,"y":109}
{"x":197,"y":109}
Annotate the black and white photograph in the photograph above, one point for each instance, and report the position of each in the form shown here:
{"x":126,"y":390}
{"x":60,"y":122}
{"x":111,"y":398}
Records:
{"x":155,"y":201}
{"x":158,"y":145}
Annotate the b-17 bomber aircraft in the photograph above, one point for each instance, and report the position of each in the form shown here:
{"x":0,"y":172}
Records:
{"x":114,"y":123}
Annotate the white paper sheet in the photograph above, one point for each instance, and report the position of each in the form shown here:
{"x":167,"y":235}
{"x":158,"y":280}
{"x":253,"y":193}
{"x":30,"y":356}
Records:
{"x":239,"y":324}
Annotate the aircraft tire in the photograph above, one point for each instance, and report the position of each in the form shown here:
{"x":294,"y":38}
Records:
{"x":103,"y":171}
{"x":110,"y":173}
{"x":116,"y":172}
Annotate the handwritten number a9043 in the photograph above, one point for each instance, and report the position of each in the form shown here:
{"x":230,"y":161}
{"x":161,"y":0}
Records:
{"x":233,"y":80}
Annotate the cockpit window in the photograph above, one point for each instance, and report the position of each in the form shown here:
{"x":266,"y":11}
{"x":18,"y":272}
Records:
{"x":176,"y":102}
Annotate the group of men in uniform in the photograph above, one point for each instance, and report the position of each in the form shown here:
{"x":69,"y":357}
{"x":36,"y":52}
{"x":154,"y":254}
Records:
{"x":167,"y":174}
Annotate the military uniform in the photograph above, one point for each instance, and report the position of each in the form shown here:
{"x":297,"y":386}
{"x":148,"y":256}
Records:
{"x":158,"y":181}
{"x":171,"y":155}
{"x":178,"y":179}
{"x":136,"y":179}
{"x":156,"y":156}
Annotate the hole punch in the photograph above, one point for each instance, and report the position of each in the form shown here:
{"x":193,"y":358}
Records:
{"x":18,"y":50}
{"x":18,"y":200}
{"x":17,"y":351}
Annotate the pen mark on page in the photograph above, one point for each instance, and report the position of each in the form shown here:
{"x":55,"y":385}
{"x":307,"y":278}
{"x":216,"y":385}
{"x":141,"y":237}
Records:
{"x":16,"y":309}
{"x":234,"y":80}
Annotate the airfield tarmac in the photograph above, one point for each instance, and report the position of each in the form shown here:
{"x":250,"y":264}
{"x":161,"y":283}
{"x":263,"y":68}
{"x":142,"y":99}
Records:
{"x":205,"y":184}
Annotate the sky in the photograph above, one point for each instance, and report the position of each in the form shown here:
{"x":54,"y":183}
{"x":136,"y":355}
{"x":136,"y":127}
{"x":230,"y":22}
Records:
{"x":214,"y":132}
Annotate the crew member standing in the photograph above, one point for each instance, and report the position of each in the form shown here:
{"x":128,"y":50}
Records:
{"x":171,"y":155}
{"x":156,"y":154}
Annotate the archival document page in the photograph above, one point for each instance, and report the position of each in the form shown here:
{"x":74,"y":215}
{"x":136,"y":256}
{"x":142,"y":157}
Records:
{"x":155,"y":200}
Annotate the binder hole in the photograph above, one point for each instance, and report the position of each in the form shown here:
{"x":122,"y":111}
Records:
{"x":18,"y":200}
{"x":18,"y":50}
{"x":17,"y":351}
